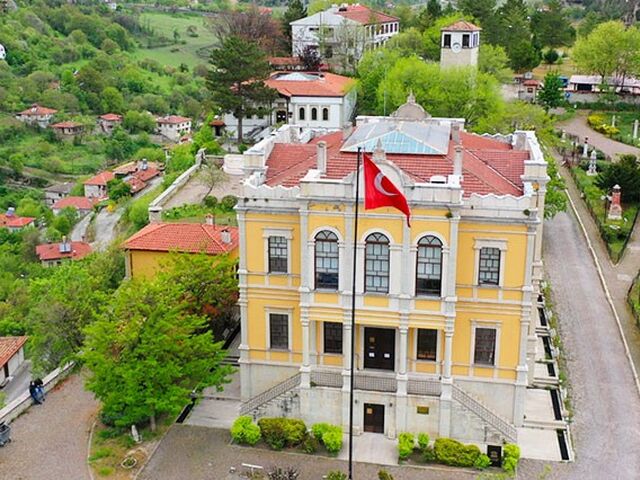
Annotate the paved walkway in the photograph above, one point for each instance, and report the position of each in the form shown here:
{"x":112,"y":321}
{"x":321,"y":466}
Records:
{"x":578,"y":126}
{"x":194,"y":191}
{"x":49,"y":441}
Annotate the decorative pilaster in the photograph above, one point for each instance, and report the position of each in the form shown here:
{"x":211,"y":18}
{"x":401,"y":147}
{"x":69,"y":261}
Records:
{"x":245,"y":373}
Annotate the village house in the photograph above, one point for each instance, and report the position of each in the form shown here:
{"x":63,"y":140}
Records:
{"x":305,"y":99}
{"x":138,"y":174}
{"x":53,"y":254}
{"x":83,"y":205}
{"x":529,"y":90}
{"x":96,"y":186}
{"x":57,"y":191}
{"x":173,"y":127}
{"x":13,"y":222}
{"x":67,"y":129}
{"x":445,"y":330}
{"x":147,"y":250}
{"x":109,"y":121}
{"x":11,"y":357}
{"x":37,"y":115}
{"x":356,"y":26}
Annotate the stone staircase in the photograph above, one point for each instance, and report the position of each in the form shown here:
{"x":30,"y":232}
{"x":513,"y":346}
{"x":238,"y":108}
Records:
{"x":495,"y":421}
{"x":283,"y":393}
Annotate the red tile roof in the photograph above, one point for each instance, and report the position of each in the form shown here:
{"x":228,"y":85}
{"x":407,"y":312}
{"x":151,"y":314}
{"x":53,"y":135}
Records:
{"x":111,"y":117}
{"x":136,"y":184}
{"x":66,"y":125}
{"x":284,"y":61}
{"x":365,"y":15}
{"x":100,"y":179}
{"x":327,"y":85}
{"x":51,"y":251}
{"x":81,"y":203}
{"x":461,"y":25}
{"x":13,"y":221}
{"x":146,"y":175}
{"x":183,"y":237}
{"x":488,"y":165}
{"x":531,"y":83}
{"x":9,"y":346}
{"x":172,"y":119}
{"x":37,"y":110}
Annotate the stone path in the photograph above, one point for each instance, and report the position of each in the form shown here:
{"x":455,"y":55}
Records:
{"x":578,"y":126}
{"x":79,"y":231}
{"x":50,"y":441}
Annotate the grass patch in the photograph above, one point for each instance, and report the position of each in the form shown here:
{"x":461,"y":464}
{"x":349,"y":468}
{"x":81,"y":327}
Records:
{"x":102,"y":452}
{"x":615,"y":233}
{"x":624,"y":123}
{"x":633,"y":298}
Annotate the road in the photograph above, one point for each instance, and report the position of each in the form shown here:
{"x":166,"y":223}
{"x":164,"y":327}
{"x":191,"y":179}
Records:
{"x":105,"y":225}
{"x":606,"y":426}
{"x":79,"y":232}
{"x":50,"y":441}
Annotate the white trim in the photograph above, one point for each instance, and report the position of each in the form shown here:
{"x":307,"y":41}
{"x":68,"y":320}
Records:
{"x":364,"y":236}
{"x":438,"y":235}
{"x":444,"y":260}
{"x":312,"y":243}
{"x":480,"y":243}
{"x":267,"y":233}
{"x":493,"y":324}
{"x":414,"y":353}
{"x":279,"y":311}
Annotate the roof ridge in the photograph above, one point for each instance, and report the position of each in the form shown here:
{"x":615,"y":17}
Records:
{"x":204,"y":226}
{"x":490,"y":169}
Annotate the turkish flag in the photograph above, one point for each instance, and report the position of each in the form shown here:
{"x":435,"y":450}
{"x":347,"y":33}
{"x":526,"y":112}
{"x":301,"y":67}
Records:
{"x":379,"y":191}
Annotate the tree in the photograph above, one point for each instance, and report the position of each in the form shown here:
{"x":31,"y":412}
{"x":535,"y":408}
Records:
{"x":211,"y":176}
{"x":408,"y":42}
{"x":136,"y":122}
{"x":550,"y":95}
{"x":493,"y":59}
{"x":484,"y":12}
{"x":294,"y":11}
{"x":117,"y":189}
{"x":310,"y":59}
{"x":551,"y":26}
{"x":434,"y":9}
{"x":252,"y":26}
{"x":112,"y":100}
{"x":372,"y":70}
{"x":236,"y":77}
{"x":625,"y":173}
{"x":515,"y":36}
{"x":147,"y":352}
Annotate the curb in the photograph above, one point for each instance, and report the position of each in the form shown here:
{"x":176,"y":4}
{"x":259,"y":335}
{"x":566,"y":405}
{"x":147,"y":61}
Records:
{"x":93,"y":427}
{"x":606,"y":291}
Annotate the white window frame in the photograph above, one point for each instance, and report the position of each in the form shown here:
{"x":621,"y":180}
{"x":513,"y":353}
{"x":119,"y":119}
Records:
{"x":287,"y":233}
{"x":414,"y":355}
{"x":481,"y":243}
{"x":497,"y":326}
{"x":279,"y":311}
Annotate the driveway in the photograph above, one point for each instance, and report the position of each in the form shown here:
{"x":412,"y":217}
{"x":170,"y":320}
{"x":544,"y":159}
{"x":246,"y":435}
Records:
{"x":79,"y":232}
{"x":578,"y":126}
{"x":105,"y":227}
{"x":49,"y":441}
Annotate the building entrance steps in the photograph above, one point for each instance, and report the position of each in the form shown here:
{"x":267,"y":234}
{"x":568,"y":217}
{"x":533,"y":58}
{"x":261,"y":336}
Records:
{"x":371,"y":448}
{"x":217,"y":409}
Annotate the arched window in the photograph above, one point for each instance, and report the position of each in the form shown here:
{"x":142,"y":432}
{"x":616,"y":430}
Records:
{"x":376,"y":263}
{"x":429,"y":266}
{"x":327,"y":268}
{"x":314,"y":113}
{"x":301,"y":113}
{"x":325,"y":114}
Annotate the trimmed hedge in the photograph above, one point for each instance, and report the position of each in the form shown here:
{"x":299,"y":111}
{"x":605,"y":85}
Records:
{"x":244,"y":431}
{"x":451,"y":452}
{"x":510,"y":457}
{"x":329,"y":435}
{"x":282,"y":432}
{"x":406,"y":443}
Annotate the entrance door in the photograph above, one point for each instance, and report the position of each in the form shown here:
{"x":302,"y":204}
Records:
{"x":373,"y":418}
{"x":281,"y":116}
{"x":379,"y":349}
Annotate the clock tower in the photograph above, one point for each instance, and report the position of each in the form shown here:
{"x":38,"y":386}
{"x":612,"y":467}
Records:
{"x":459,"y":44}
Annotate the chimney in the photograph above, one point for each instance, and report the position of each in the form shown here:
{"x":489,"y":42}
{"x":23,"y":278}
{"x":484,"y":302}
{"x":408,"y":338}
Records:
{"x":210,"y":219}
{"x":145,"y":164}
{"x":225,"y":236}
{"x":11,"y":212}
{"x":455,"y":133}
{"x":457,"y":161}
{"x":65,"y":247}
{"x":322,"y":156}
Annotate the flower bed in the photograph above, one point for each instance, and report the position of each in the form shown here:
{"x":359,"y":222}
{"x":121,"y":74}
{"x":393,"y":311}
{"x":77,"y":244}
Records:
{"x":622,"y":132}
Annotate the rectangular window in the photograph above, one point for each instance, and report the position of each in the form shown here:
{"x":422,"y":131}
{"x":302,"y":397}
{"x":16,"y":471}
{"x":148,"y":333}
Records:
{"x":485,"y":348}
{"x":427,"y":344}
{"x":279,"y":331}
{"x":489,"y":268}
{"x":447,"y":40}
{"x":465,"y":40}
{"x":332,"y":337}
{"x":277,"y":255}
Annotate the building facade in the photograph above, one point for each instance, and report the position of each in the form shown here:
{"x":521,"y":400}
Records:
{"x":37,"y":115}
{"x":444,"y":337}
{"x":460,"y":45}
{"x":173,"y":127}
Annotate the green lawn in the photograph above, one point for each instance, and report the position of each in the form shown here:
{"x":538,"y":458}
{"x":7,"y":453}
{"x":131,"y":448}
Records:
{"x":624,"y":122}
{"x":173,"y":55}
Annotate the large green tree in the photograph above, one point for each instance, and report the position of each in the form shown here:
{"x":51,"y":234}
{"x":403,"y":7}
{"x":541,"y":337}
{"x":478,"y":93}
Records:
{"x":147,"y":352}
{"x":295,"y":11}
{"x":551,"y":26}
{"x":236,"y":77}
{"x":551,"y":94}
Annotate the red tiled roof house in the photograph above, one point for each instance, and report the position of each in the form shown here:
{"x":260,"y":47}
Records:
{"x":173,"y":127}
{"x":37,"y":115}
{"x":52,"y":254}
{"x":96,"y":186}
{"x":11,"y":357}
{"x":109,"y":121}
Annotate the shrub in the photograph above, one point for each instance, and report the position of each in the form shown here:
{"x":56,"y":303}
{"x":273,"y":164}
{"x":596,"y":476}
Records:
{"x":509,"y":465}
{"x":210,"y":201}
{"x":482,"y":462}
{"x":295,"y":431}
{"x":551,"y":56}
{"x":511,"y":450}
{"x":384,"y":475}
{"x":428,"y":455}
{"x":332,"y":439}
{"x":279,"y":473}
{"x":452,"y":452}
{"x":319,"y":429}
{"x":310,"y":445}
{"x":511,"y":455}
{"x":228,"y":202}
{"x":280,"y":432}
{"x":423,"y":441}
{"x":405,"y":445}
{"x":244,"y":431}
{"x":336,"y":475}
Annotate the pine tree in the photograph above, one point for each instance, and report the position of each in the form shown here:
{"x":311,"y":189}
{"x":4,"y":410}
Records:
{"x":295,"y":11}
{"x":550,"y":95}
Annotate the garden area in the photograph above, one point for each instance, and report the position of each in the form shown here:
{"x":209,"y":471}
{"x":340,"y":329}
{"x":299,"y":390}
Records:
{"x":222,"y":209}
{"x":596,"y":191}
{"x":622,"y":131}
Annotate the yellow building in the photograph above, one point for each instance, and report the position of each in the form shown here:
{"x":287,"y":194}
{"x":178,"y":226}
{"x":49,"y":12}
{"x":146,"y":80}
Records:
{"x":148,"y":250}
{"x":445,"y":341}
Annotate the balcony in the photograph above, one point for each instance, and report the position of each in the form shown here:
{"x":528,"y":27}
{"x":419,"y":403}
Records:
{"x":376,"y":382}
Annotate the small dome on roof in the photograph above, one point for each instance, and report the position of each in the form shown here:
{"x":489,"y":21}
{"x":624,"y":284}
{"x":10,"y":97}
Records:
{"x":411,"y":110}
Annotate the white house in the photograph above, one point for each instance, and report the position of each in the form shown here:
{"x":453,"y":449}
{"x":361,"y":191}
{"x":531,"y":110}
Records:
{"x":306,"y":99}
{"x":3,"y":52}
{"x":37,"y":114}
{"x":11,"y":357}
{"x":173,"y":126}
{"x":359,"y":26}
{"x":460,"y":44}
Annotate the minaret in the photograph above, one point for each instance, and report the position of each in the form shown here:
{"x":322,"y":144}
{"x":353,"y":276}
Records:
{"x":459,"y":45}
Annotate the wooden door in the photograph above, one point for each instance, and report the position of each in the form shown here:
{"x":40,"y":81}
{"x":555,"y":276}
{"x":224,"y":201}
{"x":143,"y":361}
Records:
{"x":373,"y":418}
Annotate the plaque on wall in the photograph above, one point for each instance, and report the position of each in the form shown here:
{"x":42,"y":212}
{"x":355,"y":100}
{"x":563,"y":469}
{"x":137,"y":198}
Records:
{"x":494,"y":452}
{"x":422,"y":410}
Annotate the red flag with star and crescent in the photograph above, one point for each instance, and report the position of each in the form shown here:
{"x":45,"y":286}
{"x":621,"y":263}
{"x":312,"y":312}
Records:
{"x":379,"y":191}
